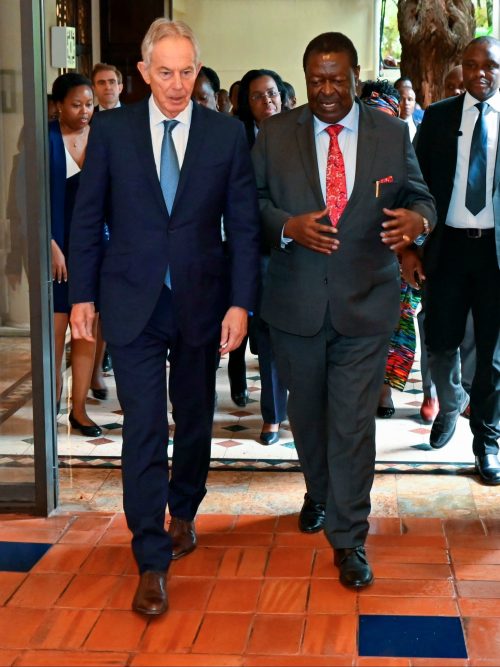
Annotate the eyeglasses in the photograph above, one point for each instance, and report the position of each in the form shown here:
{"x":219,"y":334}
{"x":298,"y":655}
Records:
{"x":271,"y":94}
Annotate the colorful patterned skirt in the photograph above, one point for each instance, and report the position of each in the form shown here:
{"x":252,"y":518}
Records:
{"x":403,"y":341}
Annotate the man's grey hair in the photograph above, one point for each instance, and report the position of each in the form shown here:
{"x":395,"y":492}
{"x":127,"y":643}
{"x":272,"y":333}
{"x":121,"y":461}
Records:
{"x":162,"y":28}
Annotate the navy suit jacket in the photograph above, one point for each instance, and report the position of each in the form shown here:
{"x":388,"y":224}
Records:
{"x":120,"y":185}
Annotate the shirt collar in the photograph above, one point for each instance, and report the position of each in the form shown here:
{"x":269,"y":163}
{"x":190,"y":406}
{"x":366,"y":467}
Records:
{"x":493,"y":101}
{"x":349,"y":122}
{"x":156,"y":116}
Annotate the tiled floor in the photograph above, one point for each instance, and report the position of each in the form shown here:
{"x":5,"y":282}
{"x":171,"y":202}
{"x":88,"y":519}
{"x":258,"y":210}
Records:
{"x":255,"y":592}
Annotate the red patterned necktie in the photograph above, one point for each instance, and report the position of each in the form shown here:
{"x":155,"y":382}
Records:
{"x":336,"y":188}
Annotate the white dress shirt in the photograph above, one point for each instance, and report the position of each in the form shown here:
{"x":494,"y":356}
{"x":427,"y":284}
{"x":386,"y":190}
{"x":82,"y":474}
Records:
{"x":348,"y":144}
{"x":411,"y":126}
{"x":458,"y":215}
{"x":180,"y":133}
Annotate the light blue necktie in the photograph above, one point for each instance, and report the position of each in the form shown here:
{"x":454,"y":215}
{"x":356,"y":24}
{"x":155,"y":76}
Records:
{"x":475,"y":196}
{"x":169,"y":172}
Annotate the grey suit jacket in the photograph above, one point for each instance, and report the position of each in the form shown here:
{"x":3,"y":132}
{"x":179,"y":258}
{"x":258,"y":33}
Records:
{"x":361,"y":280}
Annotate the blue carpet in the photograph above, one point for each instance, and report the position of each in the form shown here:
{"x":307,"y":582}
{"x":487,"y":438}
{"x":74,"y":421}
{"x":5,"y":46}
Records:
{"x":21,"y":556}
{"x":411,"y":636}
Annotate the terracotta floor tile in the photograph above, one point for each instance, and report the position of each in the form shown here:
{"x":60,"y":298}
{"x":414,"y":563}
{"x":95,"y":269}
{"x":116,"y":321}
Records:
{"x":89,"y":591}
{"x":288,"y":523}
{"x":492,"y":525}
{"x":288,"y":562}
{"x":411,"y":571}
{"x":71,"y":659}
{"x":407,"y":540}
{"x":478,"y":589}
{"x":328,"y":596}
{"x":40,"y":590}
{"x":251,"y":523}
{"x":244,"y":562}
{"x":116,"y":536}
{"x":215,"y":523}
{"x":382,"y":554}
{"x":109,"y":560}
{"x":231,"y":595}
{"x":21,"y":534}
{"x":296,"y":661}
{"x":323,"y":565}
{"x":485,"y":662}
{"x":479,"y":607}
{"x":9,"y":583}
{"x":7,"y":658}
{"x":474,"y":541}
{"x":173,"y":632}
{"x":64,"y":628}
{"x":88,"y":537}
{"x":410,"y":588}
{"x":482,"y":637}
{"x":63,"y":558}
{"x":363,"y":661}
{"x":276,"y":635}
{"x":25,"y":622}
{"x":235,"y":539}
{"x":203,"y":562}
{"x":330,"y":635}
{"x":477,"y":572}
{"x":91,"y":521}
{"x":420,"y":606}
{"x":414,"y":525}
{"x":122,"y":595}
{"x":385,"y":526}
{"x":116,"y":631}
{"x":475,"y":556}
{"x":463,"y":527}
{"x":185,"y":660}
{"x":283,"y":596}
{"x":189,"y":593}
{"x":223,"y":633}
{"x":296,"y":539}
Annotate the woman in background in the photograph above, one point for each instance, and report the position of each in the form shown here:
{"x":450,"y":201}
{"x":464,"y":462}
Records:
{"x":68,"y":136}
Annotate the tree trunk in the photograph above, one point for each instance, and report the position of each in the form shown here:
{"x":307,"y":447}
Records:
{"x":433,"y":34}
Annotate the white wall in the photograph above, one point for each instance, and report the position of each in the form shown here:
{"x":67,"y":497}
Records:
{"x":238,"y":35}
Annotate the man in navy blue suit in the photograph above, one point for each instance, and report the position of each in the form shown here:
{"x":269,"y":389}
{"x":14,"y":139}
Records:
{"x":162,"y":173}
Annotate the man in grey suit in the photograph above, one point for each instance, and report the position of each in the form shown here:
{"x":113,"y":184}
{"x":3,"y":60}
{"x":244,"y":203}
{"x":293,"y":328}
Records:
{"x":332,"y":292}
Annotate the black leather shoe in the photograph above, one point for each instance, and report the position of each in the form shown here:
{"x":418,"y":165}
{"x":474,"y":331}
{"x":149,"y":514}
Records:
{"x":240,"y":399}
{"x":106,"y":362}
{"x":91,"y":431}
{"x":355,"y":572}
{"x":444,"y":426}
{"x":269,"y":437}
{"x":183,"y":537}
{"x":312,"y":516}
{"x":385,"y":412}
{"x":488,"y":467}
{"x":151,"y":595}
{"x":100,"y":394}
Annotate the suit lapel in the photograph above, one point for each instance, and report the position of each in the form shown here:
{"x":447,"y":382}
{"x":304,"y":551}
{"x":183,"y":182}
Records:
{"x":307,"y":149}
{"x":141,"y":132}
{"x":193,"y":148}
{"x":365,"y":154}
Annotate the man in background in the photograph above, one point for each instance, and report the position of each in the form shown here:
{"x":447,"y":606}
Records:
{"x":107,"y":83}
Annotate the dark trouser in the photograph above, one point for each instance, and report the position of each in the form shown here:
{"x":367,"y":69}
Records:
{"x":237,"y":368}
{"x":273,"y":394}
{"x":140,"y":372}
{"x":467,"y":278}
{"x":334,"y":384}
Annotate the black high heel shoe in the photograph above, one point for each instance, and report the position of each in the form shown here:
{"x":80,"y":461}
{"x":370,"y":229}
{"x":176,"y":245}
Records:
{"x":100,"y":394}
{"x":92,"y":431}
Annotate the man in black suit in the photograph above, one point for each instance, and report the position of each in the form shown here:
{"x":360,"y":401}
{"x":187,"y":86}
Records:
{"x":458,"y":154}
{"x":162,"y":173}
{"x":332,"y":292}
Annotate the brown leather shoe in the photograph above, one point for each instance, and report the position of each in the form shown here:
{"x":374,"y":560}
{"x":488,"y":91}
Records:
{"x":183,"y":537}
{"x":151,"y":594}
